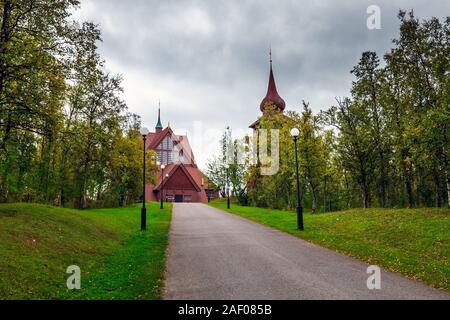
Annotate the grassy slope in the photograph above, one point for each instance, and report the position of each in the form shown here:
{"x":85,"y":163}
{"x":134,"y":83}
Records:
{"x":117,"y":261}
{"x":413,"y":242}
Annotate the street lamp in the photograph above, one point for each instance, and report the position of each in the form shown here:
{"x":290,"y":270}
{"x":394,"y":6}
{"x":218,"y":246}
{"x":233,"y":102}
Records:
{"x":144,"y":133}
{"x":162,"y":186}
{"x":166,"y":178}
{"x":228,"y":188}
{"x":295,"y":134}
{"x":207,"y":190}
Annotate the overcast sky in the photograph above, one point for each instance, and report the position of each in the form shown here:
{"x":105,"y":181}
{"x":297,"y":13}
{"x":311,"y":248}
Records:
{"x":207,"y":61}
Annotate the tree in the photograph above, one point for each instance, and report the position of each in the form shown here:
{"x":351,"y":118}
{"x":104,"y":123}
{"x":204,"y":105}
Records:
{"x":366,"y":90}
{"x":33,"y":38}
{"x":354,"y":142}
{"x":217,"y":166}
{"x":62,"y":120}
{"x":125,"y":169}
{"x":311,"y":153}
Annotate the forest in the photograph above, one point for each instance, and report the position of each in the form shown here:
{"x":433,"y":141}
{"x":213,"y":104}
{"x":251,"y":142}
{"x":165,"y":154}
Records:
{"x":68,"y":139}
{"x":66,"y":136}
{"x":384,"y":145}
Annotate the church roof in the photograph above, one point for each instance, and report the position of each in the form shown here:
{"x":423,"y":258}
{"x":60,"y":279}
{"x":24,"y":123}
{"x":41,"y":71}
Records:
{"x":154,"y":139}
{"x":193,"y":174}
{"x":187,"y":166}
{"x":272,"y":94}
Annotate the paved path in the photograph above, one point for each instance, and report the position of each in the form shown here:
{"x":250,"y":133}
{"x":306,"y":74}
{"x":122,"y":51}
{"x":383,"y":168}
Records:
{"x":216,"y":255}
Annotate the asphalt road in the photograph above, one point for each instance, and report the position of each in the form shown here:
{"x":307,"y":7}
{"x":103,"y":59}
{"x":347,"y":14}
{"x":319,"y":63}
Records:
{"x":218,"y":256}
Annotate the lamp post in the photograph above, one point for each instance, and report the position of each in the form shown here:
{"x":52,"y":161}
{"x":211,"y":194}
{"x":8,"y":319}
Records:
{"x":144,"y":133}
{"x":228,"y":188}
{"x":167,"y":178}
{"x":207,"y":189}
{"x":162,"y":186}
{"x":295,"y":133}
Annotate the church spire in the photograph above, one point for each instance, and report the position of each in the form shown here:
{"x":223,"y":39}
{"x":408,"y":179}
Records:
{"x":272,"y":96}
{"x":159,"y":126}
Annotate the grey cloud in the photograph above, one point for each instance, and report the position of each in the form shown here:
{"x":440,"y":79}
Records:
{"x":208,"y":60}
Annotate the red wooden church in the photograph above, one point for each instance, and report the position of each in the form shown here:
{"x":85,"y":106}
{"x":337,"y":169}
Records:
{"x":180,"y":180}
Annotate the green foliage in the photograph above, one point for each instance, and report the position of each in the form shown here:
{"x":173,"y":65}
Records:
{"x":63,"y":123}
{"x":386,"y":146}
{"x":227,"y":172}
{"x":278,"y":191}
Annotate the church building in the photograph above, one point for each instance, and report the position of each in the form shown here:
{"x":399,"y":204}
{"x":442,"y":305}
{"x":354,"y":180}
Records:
{"x":178,"y":178}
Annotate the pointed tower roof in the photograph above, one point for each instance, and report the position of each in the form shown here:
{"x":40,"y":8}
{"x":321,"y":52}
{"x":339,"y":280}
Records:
{"x":272,"y":93}
{"x":159,"y":125}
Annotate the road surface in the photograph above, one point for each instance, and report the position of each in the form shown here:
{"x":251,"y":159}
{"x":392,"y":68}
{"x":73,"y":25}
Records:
{"x":214,"y":255}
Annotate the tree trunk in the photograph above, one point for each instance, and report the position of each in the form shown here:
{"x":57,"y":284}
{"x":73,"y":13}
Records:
{"x":325,"y":195}
{"x":364,"y":185}
{"x":437,"y":190}
{"x":7,"y":135}
{"x":421,"y":192}
{"x":409,"y":192}
{"x":382,"y":181}
{"x":447,"y":173}
{"x":347,"y":188}
{"x":288,"y":197}
{"x":408,"y":183}
{"x":62,"y":176}
{"x":4,"y":38}
{"x":62,"y":199}
{"x":122,"y":201}
{"x":314,"y":194}
{"x":83,"y":201}
{"x":447,"y":176}
{"x":365,"y":196}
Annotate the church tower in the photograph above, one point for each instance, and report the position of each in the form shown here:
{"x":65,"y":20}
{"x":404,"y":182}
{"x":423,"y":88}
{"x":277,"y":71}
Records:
{"x":272,"y":97}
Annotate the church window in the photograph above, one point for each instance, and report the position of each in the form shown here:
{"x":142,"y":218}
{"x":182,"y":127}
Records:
{"x":165,"y":150}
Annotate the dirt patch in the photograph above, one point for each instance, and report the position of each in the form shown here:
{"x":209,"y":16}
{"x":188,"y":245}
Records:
{"x":30,"y":241}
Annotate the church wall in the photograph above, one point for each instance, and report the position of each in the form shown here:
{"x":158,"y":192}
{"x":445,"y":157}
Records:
{"x":193,"y":194}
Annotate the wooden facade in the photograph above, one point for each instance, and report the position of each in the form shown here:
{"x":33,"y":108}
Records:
{"x":181,"y":180}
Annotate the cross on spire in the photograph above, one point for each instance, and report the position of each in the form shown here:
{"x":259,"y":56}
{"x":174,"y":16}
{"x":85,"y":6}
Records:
{"x":270,"y":54}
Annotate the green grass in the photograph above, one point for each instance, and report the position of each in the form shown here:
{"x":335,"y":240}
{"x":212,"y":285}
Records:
{"x":413,"y":242}
{"x":117,"y":261}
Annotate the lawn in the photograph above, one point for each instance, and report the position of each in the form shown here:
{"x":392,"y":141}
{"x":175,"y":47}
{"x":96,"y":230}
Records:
{"x":117,"y":261}
{"x":413,"y":242}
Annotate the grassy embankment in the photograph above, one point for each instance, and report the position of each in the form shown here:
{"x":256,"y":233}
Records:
{"x":117,"y":261}
{"x":414,"y":242}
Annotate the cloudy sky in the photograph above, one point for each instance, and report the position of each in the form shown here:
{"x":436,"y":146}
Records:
{"x":207,"y":61}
